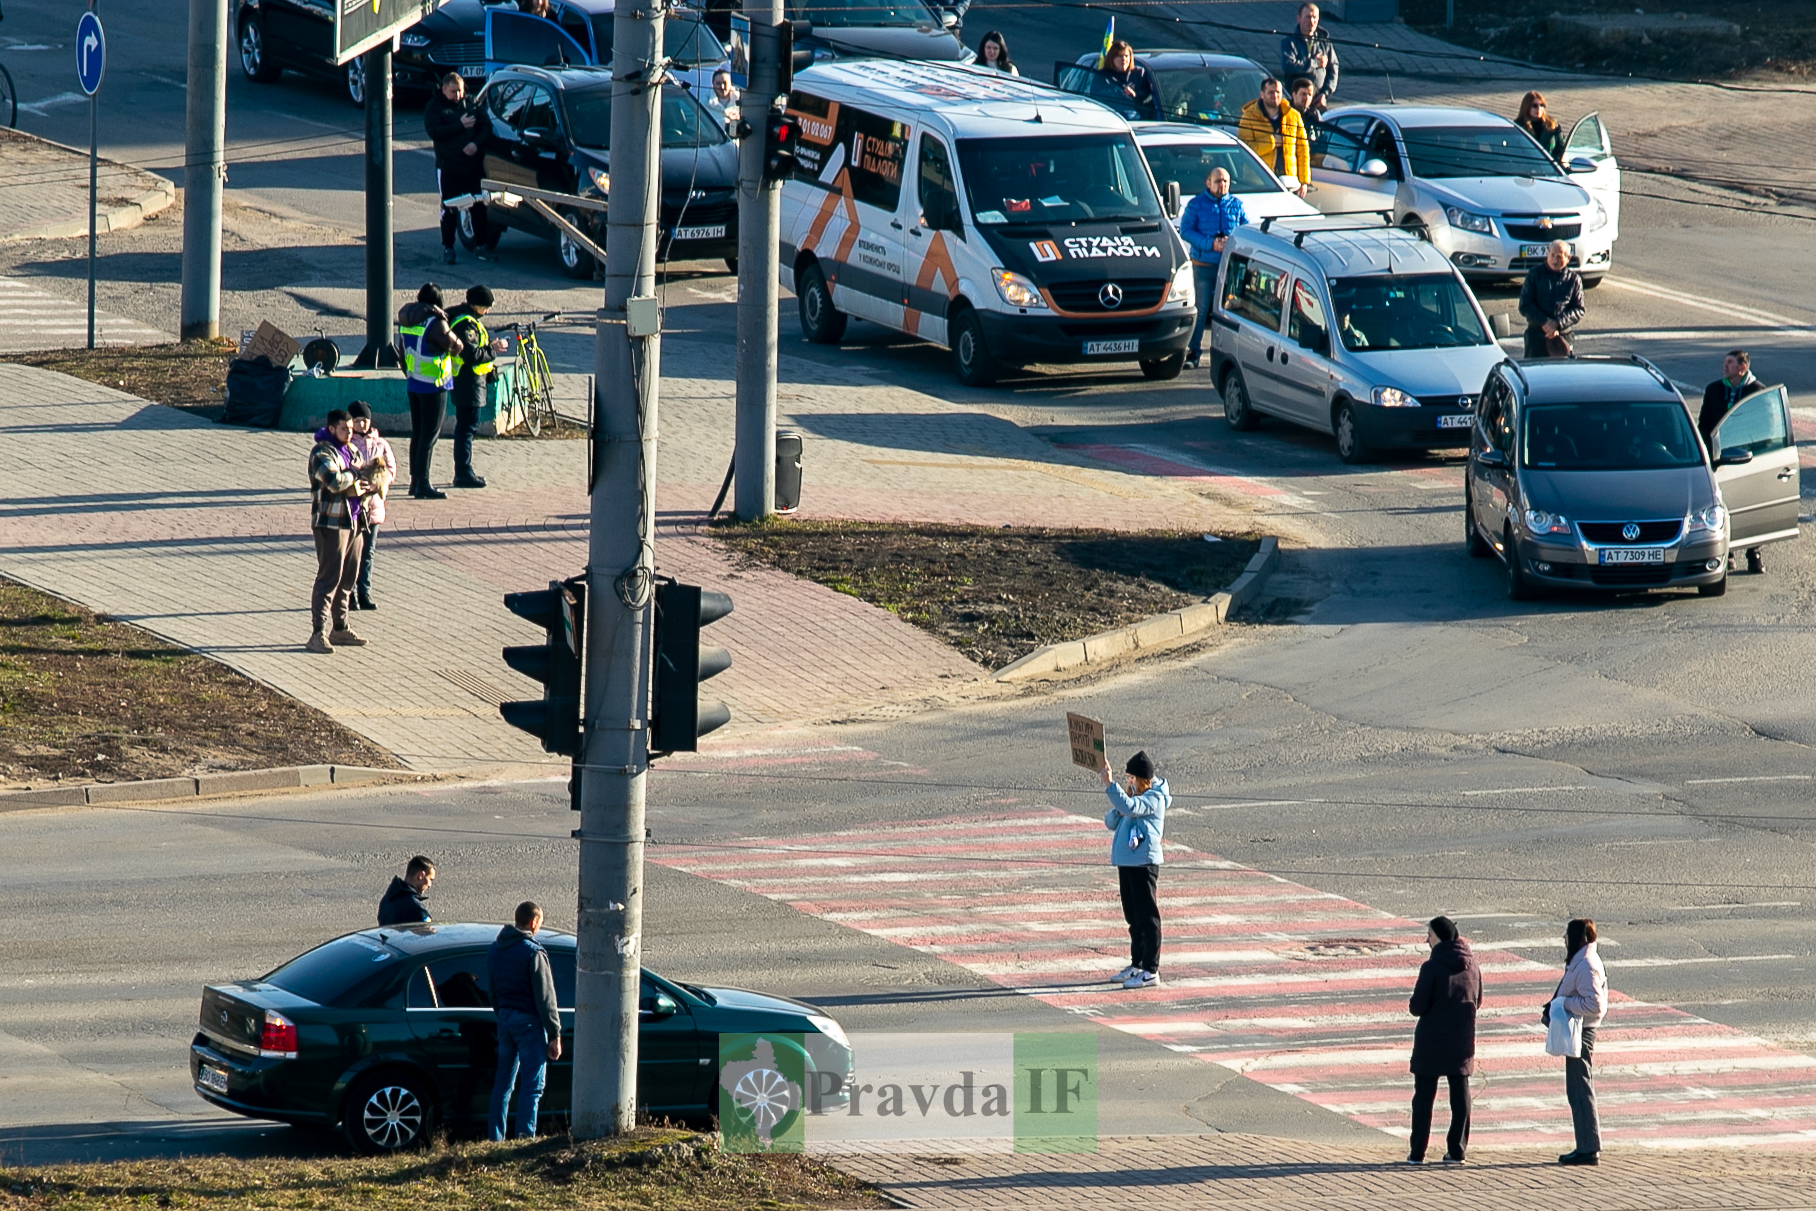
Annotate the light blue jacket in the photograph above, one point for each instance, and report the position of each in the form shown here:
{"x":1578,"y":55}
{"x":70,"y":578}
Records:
{"x":1137,"y":823}
{"x":1207,"y":217}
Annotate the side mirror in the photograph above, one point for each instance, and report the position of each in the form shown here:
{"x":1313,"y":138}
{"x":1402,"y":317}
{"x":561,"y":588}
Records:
{"x":1735,"y":456}
{"x":948,"y":19}
{"x":541,"y":136}
{"x":1502,"y":324}
{"x":1171,"y":199}
{"x":1582,"y":164}
{"x":1374,"y":168}
{"x":1491,"y":458}
{"x":659,"y":1006}
{"x":1290,"y":181}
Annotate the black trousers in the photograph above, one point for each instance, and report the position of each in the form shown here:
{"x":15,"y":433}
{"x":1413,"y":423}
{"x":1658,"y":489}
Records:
{"x":1140,"y":887}
{"x":468,"y":390}
{"x":1424,"y":1094}
{"x":1534,"y":342}
{"x":1579,"y":1089}
{"x":452,"y":183}
{"x":427,"y":411}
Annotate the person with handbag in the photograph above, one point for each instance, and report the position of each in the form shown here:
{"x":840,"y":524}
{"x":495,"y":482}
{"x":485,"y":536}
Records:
{"x":1552,"y":302}
{"x":1576,"y":1009}
{"x":1445,"y":1001}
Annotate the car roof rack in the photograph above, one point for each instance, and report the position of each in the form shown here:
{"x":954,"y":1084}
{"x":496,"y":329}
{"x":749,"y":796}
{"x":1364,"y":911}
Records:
{"x":1386,"y":217}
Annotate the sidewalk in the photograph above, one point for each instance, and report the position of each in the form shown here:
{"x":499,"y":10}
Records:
{"x":199,"y":533}
{"x":1160,"y":1173}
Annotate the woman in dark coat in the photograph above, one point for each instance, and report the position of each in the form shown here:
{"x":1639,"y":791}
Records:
{"x":1535,"y":121}
{"x":1445,"y":1001}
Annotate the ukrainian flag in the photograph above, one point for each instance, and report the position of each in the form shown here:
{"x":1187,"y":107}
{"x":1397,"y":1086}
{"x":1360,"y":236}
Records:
{"x":1109,"y":36}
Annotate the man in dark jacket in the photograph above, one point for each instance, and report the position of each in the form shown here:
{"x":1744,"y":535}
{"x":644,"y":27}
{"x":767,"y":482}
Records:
{"x":426,"y":349}
{"x":1309,"y":53}
{"x":1552,"y":302}
{"x":460,"y":129}
{"x":1445,"y":1001}
{"x":529,"y":1024}
{"x":403,"y":904}
{"x":473,"y":369}
{"x":1719,"y":397}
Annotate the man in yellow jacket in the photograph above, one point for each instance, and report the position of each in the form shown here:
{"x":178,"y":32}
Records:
{"x":1275,"y":132}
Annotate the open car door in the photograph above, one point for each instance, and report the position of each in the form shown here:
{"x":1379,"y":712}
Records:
{"x":1589,"y":157}
{"x":1761,"y":495}
{"x":518,"y":39}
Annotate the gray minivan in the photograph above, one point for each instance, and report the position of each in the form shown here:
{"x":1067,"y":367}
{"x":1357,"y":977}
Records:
{"x":1365,"y":332}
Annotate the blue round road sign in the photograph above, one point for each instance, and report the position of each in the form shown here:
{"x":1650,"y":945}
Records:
{"x":91,"y":52}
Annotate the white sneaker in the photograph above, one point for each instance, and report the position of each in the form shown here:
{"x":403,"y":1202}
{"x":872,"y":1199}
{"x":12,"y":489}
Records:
{"x":1124,"y":974}
{"x":1142,"y":979}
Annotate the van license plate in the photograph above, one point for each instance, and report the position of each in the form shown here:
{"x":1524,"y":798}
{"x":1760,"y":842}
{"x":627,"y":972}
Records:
{"x":474,"y":71}
{"x":1098,"y":348}
{"x":1456,"y":422}
{"x":700,"y":233}
{"x":212,"y":1079}
{"x":1634,"y":555}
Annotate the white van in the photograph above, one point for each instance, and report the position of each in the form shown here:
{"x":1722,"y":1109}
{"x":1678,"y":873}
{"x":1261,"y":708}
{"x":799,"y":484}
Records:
{"x":1006,"y":220}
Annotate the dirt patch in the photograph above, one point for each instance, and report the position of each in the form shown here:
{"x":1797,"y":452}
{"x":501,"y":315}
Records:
{"x":997,"y":594}
{"x":656,"y":1168}
{"x":84,"y":699}
{"x":1774,"y":40}
{"x":190,"y":375}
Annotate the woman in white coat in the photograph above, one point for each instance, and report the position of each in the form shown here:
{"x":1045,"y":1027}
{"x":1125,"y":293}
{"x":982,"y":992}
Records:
{"x":1584,"y":994}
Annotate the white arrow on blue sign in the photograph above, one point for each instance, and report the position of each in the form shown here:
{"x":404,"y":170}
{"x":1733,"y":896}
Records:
{"x":91,"y":53}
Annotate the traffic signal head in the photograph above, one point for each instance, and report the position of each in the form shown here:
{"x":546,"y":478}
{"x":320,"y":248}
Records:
{"x":779,"y":145}
{"x":677,"y":716}
{"x":560,"y":610}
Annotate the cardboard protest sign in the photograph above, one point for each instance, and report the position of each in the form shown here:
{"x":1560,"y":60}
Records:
{"x":1086,"y":738}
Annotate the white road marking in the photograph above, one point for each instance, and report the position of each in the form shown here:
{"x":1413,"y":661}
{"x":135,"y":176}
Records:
{"x":61,"y":99}
{"x":1764,"y":318}
{"x":1526,"y":790}
{"x":1758,"y":778}
{"x":1708,"y":959}
{"x":1757,"y":904}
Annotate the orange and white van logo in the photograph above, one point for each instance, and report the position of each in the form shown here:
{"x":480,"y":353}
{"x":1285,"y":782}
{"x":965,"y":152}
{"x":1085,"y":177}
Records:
{"x":1045,"y":250}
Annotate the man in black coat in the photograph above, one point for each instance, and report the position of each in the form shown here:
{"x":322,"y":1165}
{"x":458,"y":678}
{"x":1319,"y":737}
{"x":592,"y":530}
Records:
{"x":403,"y":900}
{"x":1719,"y":397}
{"x":1445,"y":1001}
{"x":1552,"y":302}
{"x":460,"y":128}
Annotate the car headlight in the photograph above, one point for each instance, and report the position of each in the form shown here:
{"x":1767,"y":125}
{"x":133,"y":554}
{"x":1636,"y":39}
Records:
{"x":1600,"y":220}
{"x":601,"y":179}
{"x":1713,"y":519}
{"x":1181,"y":289}
{"x":1469,"y":222}
{"x":830,"y":1029}
{"x":415,"y":41}
{"x":1540,"y":522}
{"x":1393,"y":397}
{"x":1017,"y":291}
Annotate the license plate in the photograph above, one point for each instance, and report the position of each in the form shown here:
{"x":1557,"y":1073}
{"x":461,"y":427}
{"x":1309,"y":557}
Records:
{"x":1634,"y":555}
{"x":700,"y":233}
{"x":1538,"y":250}
{"x":475,"y":71}
{"x":1099,"y":348}
{"x":1456,"y":422}
{"x":212,"y":1079}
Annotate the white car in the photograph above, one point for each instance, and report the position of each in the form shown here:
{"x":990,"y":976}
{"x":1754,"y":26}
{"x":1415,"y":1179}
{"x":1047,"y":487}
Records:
{"x":1183,"y":155}
{"x":1491,"y":197}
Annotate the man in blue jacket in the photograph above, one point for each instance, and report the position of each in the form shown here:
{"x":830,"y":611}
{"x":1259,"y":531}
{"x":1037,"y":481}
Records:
{"x":529,"y":1024}
{"x":1209,"y":219}
{"x":1138,"y":817}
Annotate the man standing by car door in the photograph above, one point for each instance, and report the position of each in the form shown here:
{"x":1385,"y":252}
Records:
{"x":1719,"y":397}
{"x":460,"y":128}
{"x":529,"y":1024}
{"x":1207,"y":223}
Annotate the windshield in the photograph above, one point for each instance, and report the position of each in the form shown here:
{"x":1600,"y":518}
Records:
{"x":1475,"y":151}
{"x":1190,"y":163}
{"x":1609,"y":437}
{"x":1207,"y":94}
{"x":327,"y":973}
{"x":688,"y":43}
{"x":1426,"y":311}
{"x":1057,"y":179}
{"x":685,"y":122}
{"x":857,"y":14}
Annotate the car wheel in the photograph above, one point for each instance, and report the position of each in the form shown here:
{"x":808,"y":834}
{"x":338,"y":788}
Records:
{"x":821,"y":322}
{"x":387,"y":1112}
{"x":253,"y":60}
{"x":1518,"y":587}
{"x":356,"y":81}
{"x":1236,"y":407}
{"x":1472,"y":537}
{"x":1718,"y":589}
{"x":464,"y":228}
{"x":576,"y":262}
{"x":1163,"y":368}
{"x":1350,"y":447}
{"x":971,"y":359}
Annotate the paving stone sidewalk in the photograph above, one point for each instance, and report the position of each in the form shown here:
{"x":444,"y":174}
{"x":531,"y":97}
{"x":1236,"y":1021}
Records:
{"x":1160,"y":1173}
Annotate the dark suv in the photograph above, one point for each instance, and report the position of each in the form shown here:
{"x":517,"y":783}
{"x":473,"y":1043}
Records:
{"x":299,"y":35}
{"x":551,"y":127}
{"x":1589,"y":473}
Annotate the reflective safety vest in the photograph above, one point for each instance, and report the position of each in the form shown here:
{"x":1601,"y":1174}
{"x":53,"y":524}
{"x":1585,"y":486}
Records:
{"x":434,"y":371}
{"x":483,"y":368}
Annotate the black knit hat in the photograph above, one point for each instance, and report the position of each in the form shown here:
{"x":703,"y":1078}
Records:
{"x":359,"y":408}
{"x":478,"y":296}
{"x":1445,"y":928}
{"x":1141,"y":766}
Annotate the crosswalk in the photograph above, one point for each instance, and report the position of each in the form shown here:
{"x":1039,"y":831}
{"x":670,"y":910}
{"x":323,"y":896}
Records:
{"x":1301,"y":990}
{"x":32,"y":318}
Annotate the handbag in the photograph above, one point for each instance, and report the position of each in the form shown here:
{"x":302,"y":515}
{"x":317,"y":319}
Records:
{"x":1565,"y":1035}
{"x":1559,"y":346}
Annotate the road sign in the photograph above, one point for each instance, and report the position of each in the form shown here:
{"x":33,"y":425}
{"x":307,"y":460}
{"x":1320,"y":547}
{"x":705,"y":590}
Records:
{"x":91,"y":53}
{"x":360,"y":25}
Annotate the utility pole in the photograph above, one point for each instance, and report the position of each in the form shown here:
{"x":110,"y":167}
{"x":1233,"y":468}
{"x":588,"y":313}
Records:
{"x":204,"y":169}
{"x":380,"y":271}
{"x":759,"y":228}
{"x":621,"y":568}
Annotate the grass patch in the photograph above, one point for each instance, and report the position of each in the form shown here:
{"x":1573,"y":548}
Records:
{"x":997,"y":594}
{"x":191,"y":375}
{"x":86,"y":699}
{"x":656,"y":1168}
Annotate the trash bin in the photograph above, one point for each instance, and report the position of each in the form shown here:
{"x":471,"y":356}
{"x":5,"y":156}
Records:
{"x":788,"y":471}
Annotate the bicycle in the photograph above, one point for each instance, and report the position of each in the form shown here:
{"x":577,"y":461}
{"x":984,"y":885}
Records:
{"x":532,"y":384}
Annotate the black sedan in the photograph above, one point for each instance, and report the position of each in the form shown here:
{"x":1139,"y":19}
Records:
{"x":299,"y":35}
{"x":387,"y":1032}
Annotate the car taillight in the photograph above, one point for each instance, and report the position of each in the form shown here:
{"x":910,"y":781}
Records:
{"x":277,"y":1038}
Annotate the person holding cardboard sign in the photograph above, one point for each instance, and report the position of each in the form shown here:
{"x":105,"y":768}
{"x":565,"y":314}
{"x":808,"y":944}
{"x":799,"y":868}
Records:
{"x":1138,"y":816}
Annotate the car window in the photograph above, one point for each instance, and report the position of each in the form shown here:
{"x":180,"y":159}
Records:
{"x":1057,"y":179}
{"x":688,"y":43}
{"x":1490,"y":410}
{"x":1587,"y":138}
{"x":335,"y":971}
{"x":538,"y":109}
{"x":1352,"y":124}
{"x":1255,"y":290}
{"x":939,"y":197}
{"x":462,"y":981}
{"x":421,"y":994}
{"x":1501,"y":431}
{"x":575,"y":23}
{"x":506,"y":99}
{"x":871,"y":150}
{"x":1756,"y":425}
{"x":1609,"y":436}
{"x":1190,"y":163}
{"x":1206,"y":94}
{"x":1381,"y":146}
{"x":1412,"y":311}
{"x":1306,"y":324}
{"x":1440,"y":152}
{"x":685,"y":121}
{"x":1336,"y":149}
{"x":860,"y":14}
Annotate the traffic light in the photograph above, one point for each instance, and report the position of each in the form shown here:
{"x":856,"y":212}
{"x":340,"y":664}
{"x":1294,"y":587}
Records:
{"x":779,"y":143}
{"x":677,"y":716}
{"x":560,"y":610}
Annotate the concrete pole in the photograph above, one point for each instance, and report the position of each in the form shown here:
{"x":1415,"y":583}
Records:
{"x":381,"y":285}
{"x":204,"y":169}
{"x":759,"y":228}
{"x":621,"y":566}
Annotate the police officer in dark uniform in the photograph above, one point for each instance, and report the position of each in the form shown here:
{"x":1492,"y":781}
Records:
{"x":473,"y":369}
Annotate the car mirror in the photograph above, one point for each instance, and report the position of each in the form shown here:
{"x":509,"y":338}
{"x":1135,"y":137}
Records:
{"x":541,"y":136}
{"x":1581,"y":164}
{"x":659,"y":1006}
{"x":1491,"y":458}
{"x":1735,"y":456}
{"x":1171,"y":199}
{"x":1502,"y":324}
{"x":1374,"y":168}
{"x":949,"y":19}
{"x":1290,"y":181}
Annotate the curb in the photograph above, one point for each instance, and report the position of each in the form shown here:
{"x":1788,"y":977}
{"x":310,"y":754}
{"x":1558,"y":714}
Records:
{"x":159,"y":197}
{"x":163,"y":789}
{"x":1154,"y":631}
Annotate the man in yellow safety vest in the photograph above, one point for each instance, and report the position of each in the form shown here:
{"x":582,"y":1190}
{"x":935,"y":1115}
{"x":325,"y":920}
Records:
{"x":426,"y":348}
